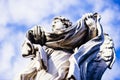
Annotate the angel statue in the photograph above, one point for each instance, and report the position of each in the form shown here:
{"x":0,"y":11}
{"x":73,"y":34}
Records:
{"x":70,"y":52}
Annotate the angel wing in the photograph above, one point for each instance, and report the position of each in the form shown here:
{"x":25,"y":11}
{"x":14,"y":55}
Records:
{"x":107,"y":51}
{"x":105,"y":59}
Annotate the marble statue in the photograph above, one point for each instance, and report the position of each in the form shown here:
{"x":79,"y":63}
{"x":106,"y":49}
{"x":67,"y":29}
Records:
{"x":70,"y":52}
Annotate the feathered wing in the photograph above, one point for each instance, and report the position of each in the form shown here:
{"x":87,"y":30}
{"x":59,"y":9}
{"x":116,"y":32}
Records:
{"x":107,"y":51}
{"x":105,"y":59}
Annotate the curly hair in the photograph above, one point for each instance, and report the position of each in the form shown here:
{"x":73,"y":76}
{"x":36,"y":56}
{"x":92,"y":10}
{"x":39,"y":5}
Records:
{"x":64,"y":20}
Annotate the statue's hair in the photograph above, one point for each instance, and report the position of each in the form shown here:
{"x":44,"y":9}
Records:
{"x":64,"y":20}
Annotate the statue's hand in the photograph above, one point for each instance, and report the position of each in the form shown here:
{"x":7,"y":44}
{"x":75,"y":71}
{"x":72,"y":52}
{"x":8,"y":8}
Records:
{"x":27,"y":49}
{"x":89,"y":20}
{"x":36,"y":35}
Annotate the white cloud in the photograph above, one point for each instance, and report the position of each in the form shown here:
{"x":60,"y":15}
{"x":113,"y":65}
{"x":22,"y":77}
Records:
{"x":11,"y":59}
{"x":19,"y":65}
{"x":4,"y":31}
{"x":7,"y":51}
{"x":4,"y":16}
{"x":25,"y":11}
{"x":98,"y":5}
{"x":110,"y":16}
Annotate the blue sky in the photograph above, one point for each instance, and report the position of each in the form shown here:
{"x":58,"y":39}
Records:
{"x":17,"y":16}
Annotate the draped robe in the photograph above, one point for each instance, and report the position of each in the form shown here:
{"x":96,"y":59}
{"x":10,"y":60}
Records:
{"x":61,"y":61}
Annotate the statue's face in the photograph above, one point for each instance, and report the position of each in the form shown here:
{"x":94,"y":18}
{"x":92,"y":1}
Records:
{"x":57,"y":25}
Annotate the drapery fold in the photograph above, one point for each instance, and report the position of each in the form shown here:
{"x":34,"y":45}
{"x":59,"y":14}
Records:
{"x":85,"y":53}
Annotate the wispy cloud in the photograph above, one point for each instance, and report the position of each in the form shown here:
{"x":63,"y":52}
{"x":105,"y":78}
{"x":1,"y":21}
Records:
{"x":41,"y":12}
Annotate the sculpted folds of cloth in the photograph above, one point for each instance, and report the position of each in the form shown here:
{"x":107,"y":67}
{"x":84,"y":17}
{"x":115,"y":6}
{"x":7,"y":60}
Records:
{"x":70,"y":52}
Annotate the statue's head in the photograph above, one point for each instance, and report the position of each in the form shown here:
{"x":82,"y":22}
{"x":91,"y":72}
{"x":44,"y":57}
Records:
{"x":60,"y":23}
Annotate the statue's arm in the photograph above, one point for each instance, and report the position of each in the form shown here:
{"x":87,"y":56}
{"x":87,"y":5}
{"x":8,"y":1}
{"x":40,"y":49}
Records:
{"x":84,"y":30}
